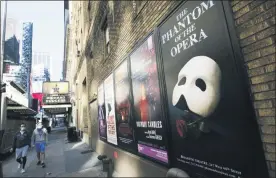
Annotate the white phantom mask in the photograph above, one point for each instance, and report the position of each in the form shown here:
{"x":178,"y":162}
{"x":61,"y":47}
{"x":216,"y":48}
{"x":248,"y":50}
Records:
{"x":199,"y":85}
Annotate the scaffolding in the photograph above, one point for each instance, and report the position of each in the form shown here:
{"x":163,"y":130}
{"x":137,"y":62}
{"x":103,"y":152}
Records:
{"x":26,"y":60}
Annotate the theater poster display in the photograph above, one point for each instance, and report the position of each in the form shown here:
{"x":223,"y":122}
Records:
{"x":123,"y":109}
{"x":150,"y":127}
{"x":213,"y":131}
{"x":101,"y":113}
{"x":110,"y":110}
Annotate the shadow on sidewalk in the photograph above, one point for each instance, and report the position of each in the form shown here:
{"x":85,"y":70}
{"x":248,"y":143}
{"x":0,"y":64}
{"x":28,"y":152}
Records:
{"x":62,"y":160}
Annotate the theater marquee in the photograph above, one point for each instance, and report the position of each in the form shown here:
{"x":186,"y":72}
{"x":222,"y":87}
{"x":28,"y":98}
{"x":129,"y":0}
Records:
{"x":55,"y":88}
{"x":56,"y":92}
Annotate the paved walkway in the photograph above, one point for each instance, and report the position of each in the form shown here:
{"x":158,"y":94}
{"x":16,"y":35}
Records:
{"x":62,"y":160}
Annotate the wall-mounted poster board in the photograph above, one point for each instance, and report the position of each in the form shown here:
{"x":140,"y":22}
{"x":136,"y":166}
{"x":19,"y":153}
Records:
{"x":150,"y":128}
{"x":123,"y":107}
{"x":101,"y":113}
{"x":213,"y":131}
{"x":110,"y":110}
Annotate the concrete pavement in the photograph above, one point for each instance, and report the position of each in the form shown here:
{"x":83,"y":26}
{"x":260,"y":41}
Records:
{"x":62,"y":160}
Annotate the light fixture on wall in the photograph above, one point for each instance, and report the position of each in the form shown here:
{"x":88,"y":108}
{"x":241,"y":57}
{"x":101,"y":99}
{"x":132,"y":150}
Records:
{"x":94,"y":97}
{"x":91,"y":54}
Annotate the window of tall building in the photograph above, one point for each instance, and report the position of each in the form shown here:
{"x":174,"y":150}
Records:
{"x":137,"y":6}
{"x":106,"y":38}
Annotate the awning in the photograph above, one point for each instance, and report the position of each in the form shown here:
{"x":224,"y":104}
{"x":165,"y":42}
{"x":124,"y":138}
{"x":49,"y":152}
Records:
{"x":57,"y":109}
{"x":40,"y":114}
{"x":20,"y":110}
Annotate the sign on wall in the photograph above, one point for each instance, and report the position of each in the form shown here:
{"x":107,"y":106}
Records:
{"x":56,"y":99}
{"x":110,"y":110}
{"x":150,"y":127}
{"x":54,"y":88}
{"x":38,"y":96}
{"x":213,"y":133}
{"x":123,"y":109}
{"x":101,"y":113}
{"x":37,"y":86}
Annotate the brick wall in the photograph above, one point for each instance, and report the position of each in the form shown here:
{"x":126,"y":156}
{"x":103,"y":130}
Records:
{"x":255,"y":24}
{"x":126,"y":29}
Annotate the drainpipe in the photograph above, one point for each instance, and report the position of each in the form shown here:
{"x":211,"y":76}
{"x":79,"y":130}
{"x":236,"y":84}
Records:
{"x":2,"y":55}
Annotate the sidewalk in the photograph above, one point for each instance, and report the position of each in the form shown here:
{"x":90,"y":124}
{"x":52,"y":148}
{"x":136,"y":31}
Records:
{"x":62,"y":160}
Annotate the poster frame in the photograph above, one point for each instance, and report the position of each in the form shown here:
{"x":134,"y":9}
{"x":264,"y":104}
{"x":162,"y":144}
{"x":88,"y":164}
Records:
{"x":235,"y":44}
{"x":154,"y":34}
{"x":238,"y":60}
{"x":99,"y":136}
{"x":126,"y":59}
{"x":113,"y":88}
{"x":102,"y":82}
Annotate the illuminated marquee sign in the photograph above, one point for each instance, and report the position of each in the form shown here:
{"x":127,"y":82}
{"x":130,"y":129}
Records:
{"x":56,"y":99}
{"x":55,"y":88}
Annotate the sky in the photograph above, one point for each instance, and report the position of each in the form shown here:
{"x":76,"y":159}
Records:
{"x":48,"y":28}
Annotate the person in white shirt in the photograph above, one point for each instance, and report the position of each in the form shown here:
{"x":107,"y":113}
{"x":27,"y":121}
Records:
{"x":40,"y":140}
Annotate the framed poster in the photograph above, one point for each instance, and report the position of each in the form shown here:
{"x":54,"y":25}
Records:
{"x":123,"y":107}
{"x":150,"y":129}
{"x":110,"y":110}
{"x":213,"y":131}
{"x":101,"y":113}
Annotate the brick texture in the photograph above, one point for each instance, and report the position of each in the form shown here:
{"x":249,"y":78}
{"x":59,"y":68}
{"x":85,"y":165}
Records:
{"x":125,"y":31}
{"x":255,"y":26}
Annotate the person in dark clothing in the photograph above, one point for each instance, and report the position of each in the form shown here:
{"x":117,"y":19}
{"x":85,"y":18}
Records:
{"x":21,"y":144}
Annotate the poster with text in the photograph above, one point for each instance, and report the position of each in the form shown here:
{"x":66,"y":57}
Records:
{"x":150,"y":127}
{"x":110,"y":110}
{"x":123,"y":109}
{"x":101,"y":113}
{"x":214,"y":133}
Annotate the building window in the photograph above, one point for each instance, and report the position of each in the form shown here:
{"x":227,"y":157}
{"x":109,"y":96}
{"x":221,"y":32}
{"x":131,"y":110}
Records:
{"x":138,"y":6}
{"x":89,"y":5}
{"x":106,"y":38}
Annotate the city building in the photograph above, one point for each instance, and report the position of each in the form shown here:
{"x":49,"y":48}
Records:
{"x":12,"y":43}
{"x":12,"y":28}
{"x":11,"y":52}
{"x":26,"y":56}
{"x":13,"y":74}
{"x":175,"y":84}
{"x":42,"y":58}
{"x":39,"y":75}
{"x":66,"y":23}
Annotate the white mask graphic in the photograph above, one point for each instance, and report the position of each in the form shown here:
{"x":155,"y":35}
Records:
{"x":199,"y":84}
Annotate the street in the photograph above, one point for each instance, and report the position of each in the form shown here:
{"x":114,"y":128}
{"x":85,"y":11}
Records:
{"x":63,"y":159}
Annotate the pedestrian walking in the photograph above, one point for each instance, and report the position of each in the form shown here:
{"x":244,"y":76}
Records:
{"x":40,"y":140}
{"x":21,"y":144}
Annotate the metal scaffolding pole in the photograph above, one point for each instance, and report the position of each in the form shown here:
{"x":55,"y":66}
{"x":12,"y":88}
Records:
{"x":2,"y":54}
